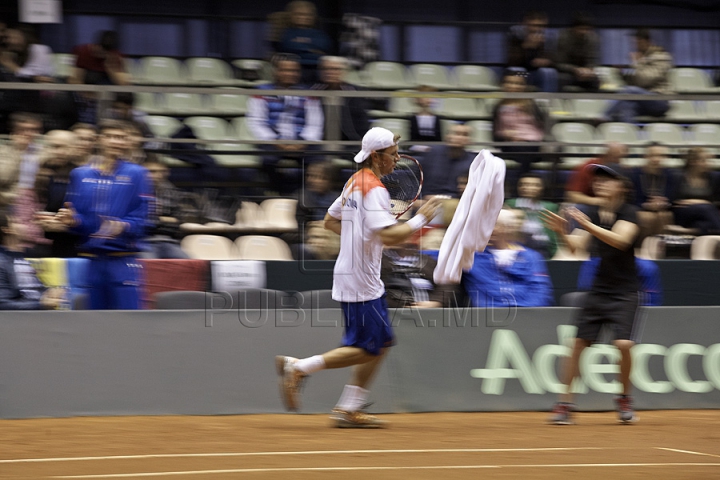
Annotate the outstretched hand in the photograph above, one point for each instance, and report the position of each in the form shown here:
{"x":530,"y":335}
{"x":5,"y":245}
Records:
{"x":554,"y":222}
{"x":429,"y":208}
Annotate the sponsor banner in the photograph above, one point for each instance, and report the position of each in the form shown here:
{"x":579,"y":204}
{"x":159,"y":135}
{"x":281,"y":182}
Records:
{"x":221,"y":361}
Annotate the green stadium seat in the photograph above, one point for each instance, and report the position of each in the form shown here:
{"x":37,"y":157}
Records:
{"x":432,"y":75}
{"x":610,"y":79}
{"x":161,"y":71}
{"x":387,"y":76}
{"x":228,"y":104}
{"x":252,"y":73}
{"x":572,"y":132}
{"x":184,"y":104}
{"x":63,"y":64}
{"x":690,"y":80}
{"x":459,"y":108}
{"x":210,"y":128}
{"x":706,"y":134}
{"x":682,"y":111}
{"x":475,"y":78}
{"x":162,"y":126}
{"x":667,"y":134}
{"x":398,"y":126}
{"x":209,"y":71}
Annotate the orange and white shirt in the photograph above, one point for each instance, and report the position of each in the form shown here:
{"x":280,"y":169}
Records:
{"x":363,"y":209}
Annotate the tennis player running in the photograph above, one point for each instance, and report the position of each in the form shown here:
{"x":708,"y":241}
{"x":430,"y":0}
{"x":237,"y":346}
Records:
{"x":613,"y":299}
{"x":362,"y":218}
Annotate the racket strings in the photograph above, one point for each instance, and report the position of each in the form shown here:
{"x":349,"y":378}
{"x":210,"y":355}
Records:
{"x":403,"y":185}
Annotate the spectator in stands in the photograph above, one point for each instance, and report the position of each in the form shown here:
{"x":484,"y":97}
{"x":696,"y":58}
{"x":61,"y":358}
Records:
{"x":648,"y":276}
{"x":57,"y":161}
{"x":652,"y":183}
{"x":107,"y":205}
{"x":18,"y":159}
{"x":531,"y":51}
{"x":444,"y":164}
{"x":425,"y":124}
{"x":320,"y":244}
{"x":650,"y":74}
{"x":304,"y":39}
{"x":695,"y":194}
{"x":100,"y":63}
{"x":123,"y":108}
{"x":578,"y":52}
{"x":86,"y":138}
{"x":136,"y":145}
{"x":284,"y":118}
{"x":533,"y":232}
{"x":352,"y":113}
{"x":25,"y":59}
{"x":518,"y":120}
{"x":20,"y":288}
{"x":579,"y":188}
{"x":507,"y":274}
{"x":166,"y":214}
{"x":318,"y":193}
{"x":408,"y":277}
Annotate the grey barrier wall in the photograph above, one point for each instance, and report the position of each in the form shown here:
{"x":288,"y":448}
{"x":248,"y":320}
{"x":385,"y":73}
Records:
{"x":57,"y":364}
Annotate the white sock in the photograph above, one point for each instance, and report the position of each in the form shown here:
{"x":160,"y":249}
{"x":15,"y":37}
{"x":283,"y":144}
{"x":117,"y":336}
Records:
{"x":311,"y":364}
{"x":352,"y":398}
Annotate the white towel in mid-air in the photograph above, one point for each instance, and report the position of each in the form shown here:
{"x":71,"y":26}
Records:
{"x":474,"y":219}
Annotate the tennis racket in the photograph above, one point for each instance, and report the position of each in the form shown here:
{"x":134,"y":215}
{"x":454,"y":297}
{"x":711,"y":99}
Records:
{"x":404,"y":184}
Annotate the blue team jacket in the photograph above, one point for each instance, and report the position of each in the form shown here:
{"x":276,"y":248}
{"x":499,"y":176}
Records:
{"x":648,"y":274}
{"x":123,"y":195}
{"x":525,"y":283}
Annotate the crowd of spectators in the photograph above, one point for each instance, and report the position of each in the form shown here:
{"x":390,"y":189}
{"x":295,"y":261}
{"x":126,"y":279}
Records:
{"x":80,"y":189}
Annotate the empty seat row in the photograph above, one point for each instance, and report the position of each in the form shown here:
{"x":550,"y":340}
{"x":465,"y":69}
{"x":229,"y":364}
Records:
{"x":248,"y":247}
{"x":271,"y":215}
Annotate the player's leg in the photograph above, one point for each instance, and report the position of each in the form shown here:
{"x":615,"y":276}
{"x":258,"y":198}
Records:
{"x":627,"y":325}
{"x":571,"y":368}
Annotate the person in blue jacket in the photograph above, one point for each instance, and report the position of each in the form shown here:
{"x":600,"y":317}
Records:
{"x":648,"y":275}
{"x":507,"y":274}
{"x":107,"y":206}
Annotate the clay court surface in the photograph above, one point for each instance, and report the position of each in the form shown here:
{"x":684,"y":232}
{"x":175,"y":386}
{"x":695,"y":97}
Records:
{"x":664,"y":444}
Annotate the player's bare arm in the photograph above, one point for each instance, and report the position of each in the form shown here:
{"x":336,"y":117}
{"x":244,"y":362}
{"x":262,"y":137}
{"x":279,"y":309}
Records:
{"x":333,"y":224}
{"x":398,"y":233}
{"x":621,"y":236}
{"x":577,"y":240}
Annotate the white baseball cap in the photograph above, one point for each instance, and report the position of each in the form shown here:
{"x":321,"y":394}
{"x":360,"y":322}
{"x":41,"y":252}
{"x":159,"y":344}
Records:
{"x":377,"y":138}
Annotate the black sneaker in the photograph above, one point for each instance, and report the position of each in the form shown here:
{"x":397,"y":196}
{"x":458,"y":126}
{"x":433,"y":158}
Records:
{"x":561,"y":414}
{"x":626,"y":414}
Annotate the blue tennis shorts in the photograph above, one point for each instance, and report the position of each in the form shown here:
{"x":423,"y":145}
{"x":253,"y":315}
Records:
{"x":367,"y":325}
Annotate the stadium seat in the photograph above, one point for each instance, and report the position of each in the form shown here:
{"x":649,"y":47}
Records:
{"x":610,"y":79}
{"x":209,"y":247}
{"x":398,"y":107}
{"x":191,"y":300}
{"x":481,"y":134}
{"x":706,"y":134}
{"x":575,"y":133}
{"x":712,"y":109}
{"x":585,"y":109}
{"x":279,"y":214}
{"x":260,"y":247}
{"x":209,"y":71}
{"x":432,"y":75}
{"x":355,"y":77}
{"x":690,"y":80}
{"x":161,"y":126}
{"x":652,"y":248}
{"x":626,"y":133}
{"x":182,"y":104}
{"x":252,"y":73}
{"x":262,"y":299}
{"x":150,"y":103}
{"x":387,"y":76}
{"x":210,"y":128}
{"x":228,"y":104}
{"x":161,"y":71}
{"x":63,"y":64}
{"x":682,"y":111}
{"x":475,"y":78}
{"x":667,"y":134}
{"x":705,"y":247}
{"x":459,"y":108}
{"x":316,"y":299}
{"x":234,"y":159}
{"x":398,"y":126}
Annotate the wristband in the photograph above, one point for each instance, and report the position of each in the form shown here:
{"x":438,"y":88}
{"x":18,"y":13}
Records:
{"x":417,"y":222}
